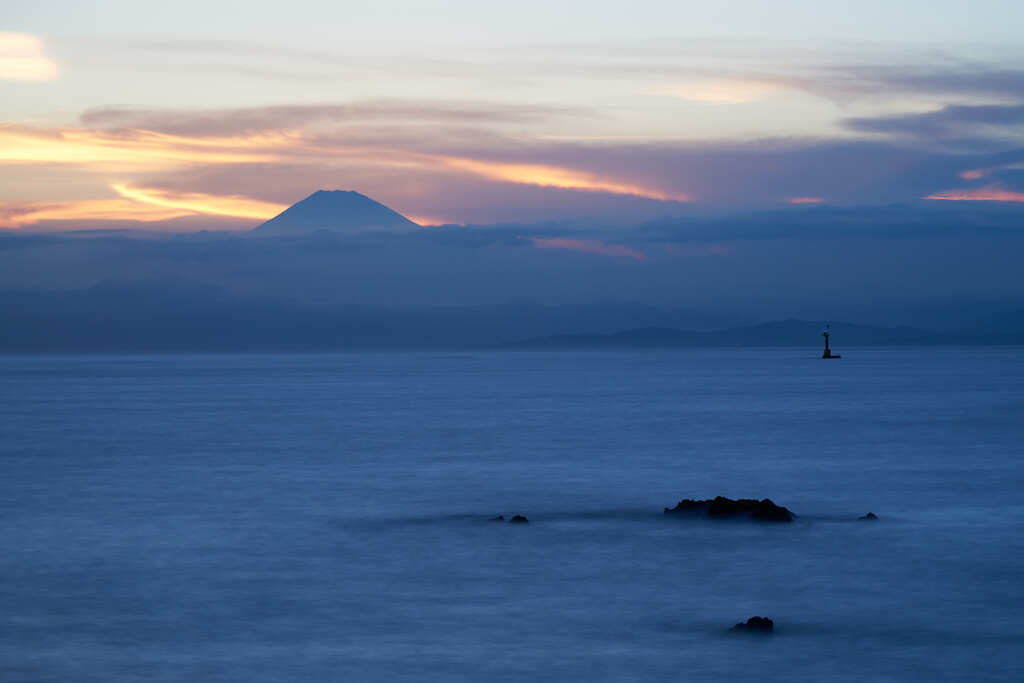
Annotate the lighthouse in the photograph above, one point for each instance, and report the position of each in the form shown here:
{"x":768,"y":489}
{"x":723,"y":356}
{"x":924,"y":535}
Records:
{"x":828,"y":351}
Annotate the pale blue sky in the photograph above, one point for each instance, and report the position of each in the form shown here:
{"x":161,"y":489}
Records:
{"x":389,"y":23}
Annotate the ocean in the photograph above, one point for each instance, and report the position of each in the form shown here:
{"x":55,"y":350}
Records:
{"x":325,"y":517}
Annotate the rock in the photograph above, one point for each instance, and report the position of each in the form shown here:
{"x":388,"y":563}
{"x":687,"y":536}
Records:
{"x":499,"y":518}
{"x":727,"y":508}
{"x":755,"y":625}
{"x":870,"y":515}
{"x":518,"y":519}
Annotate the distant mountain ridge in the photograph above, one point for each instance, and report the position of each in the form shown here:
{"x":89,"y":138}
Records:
{"x":776,"y":333}
{"x":168,"y":314}
{"x":341,"y":211}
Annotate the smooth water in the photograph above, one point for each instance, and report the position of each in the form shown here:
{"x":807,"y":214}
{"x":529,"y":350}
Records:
{"x":323,"y":517}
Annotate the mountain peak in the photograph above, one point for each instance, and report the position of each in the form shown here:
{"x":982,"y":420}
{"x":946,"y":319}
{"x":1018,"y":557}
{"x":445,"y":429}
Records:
{"x":343,"y":211}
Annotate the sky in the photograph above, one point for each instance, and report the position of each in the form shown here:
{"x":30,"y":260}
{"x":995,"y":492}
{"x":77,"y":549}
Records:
{"x":218,"y":115}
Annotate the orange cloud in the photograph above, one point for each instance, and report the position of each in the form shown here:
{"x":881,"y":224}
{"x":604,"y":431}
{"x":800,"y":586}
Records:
{"x":148,"y":151}
{"x":199,"y":203}
{"x":554,"y":176}
{"x":138,"y":204}
{"x":984,"y":194}
{"x":805,"y":200}
{"x":427,"y":220}
{"x":19,"y":215}
{"x":975,"y":173}
{"x":588,"y":246}
{"x":141,"y":149}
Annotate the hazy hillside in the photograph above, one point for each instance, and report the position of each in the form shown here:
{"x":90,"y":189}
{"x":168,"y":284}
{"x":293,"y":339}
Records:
{"x":775,"y":333}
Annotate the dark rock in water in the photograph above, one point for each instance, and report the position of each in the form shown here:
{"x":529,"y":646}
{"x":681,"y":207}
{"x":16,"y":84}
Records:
{"x":755,"y":625}
{"x":499,"y":518}
{"x":870,"y":515}
{"x":727,"y":508}
{"x":518,"y":519}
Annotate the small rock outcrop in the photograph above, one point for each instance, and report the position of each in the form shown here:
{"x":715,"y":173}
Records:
{"x":755,"y":625}
{"x":727,"y":508}
{"x":518,"y":519}
{"x":499,"y":518}
{"x":869,"y":516}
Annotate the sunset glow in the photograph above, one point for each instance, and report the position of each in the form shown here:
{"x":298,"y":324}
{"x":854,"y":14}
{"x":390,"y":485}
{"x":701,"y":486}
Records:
{"x":426,"y":220}
{"x":137,"y":204}
{"x":588,"y":246}
{"x":985,"y":194}
{"x":144,"y":151}
{"x":196,"y":202}
{"x":553,"y":176}
{"x":141,"y":149}
{"x":14,"y":215}
{"x":212,"y":121}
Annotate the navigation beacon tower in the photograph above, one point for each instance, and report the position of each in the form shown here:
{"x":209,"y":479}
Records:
{"x":828,"y":351}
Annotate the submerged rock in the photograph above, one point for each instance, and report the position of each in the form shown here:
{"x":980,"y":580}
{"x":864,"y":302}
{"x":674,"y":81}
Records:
{"x":870,"y":515}
{"x":755,"y":625}
{"x":518,"y":519}
{"x":727,"y":508}
{"x":499,"y":518}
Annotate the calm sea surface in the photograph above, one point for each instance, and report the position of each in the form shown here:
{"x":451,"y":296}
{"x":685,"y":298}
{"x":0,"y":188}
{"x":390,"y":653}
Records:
{"x":323,"y":517}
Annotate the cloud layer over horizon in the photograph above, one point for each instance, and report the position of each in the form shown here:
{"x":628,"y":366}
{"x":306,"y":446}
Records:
{"x":482,"y":136}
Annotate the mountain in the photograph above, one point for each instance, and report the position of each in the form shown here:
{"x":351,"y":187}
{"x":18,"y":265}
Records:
{"x":337,"y":211}
{"x":1007,"y":328}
